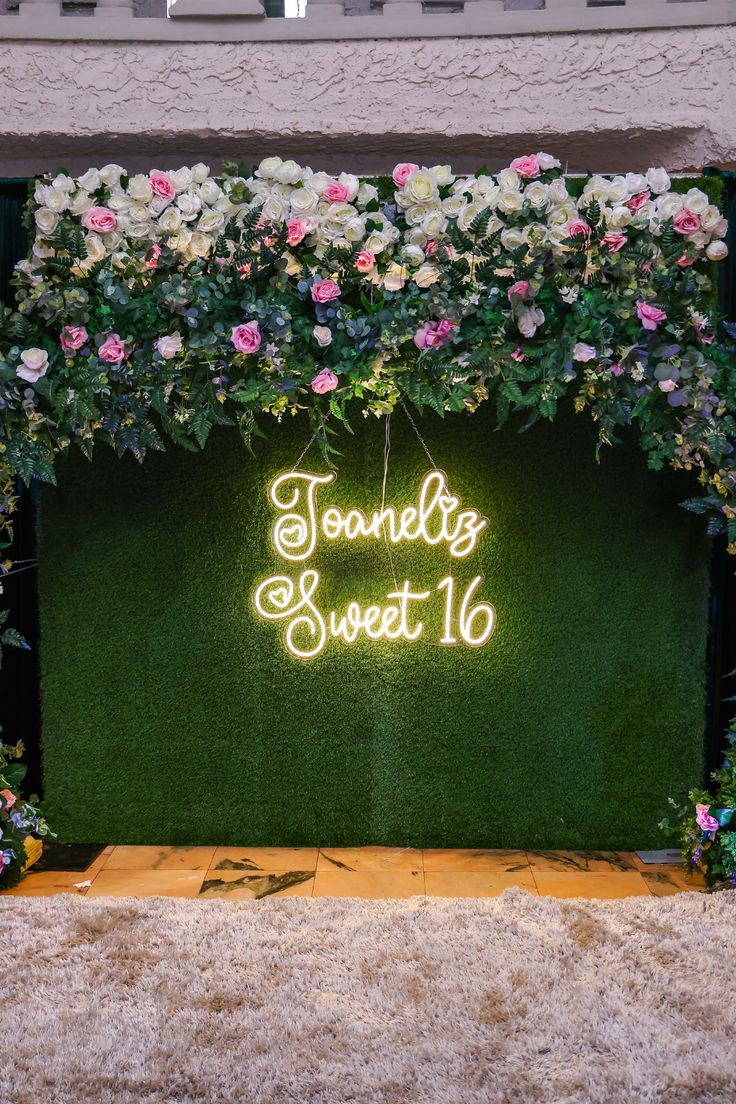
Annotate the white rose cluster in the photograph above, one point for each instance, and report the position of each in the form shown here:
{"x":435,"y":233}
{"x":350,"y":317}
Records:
{"x":187,"y":209}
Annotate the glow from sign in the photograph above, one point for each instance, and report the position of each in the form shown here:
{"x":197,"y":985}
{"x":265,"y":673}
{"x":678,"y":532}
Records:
{"x":435,"y":519}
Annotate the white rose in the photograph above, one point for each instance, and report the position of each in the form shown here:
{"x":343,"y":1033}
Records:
{"x":181,"y":179}
{"x":354,"y":229}
{"x":412,"y":254}
{"x":209,"y":191}
{"x":716,"y":251}
{"x":442,"y":175}
{"x":529,"y":319}
{"x":426,"y":275}
{"x":695,"y":201}
{"x":658,"y":180}
{"x":395,"y":277}
{"x":211,"y":222}
{"x":367,"y":193}
{"x":668,"y":205}
{"x":108,"y":174}
{"x":546,"y":161}
{"x":635,"y":183}
{"x":536,"y":193}
{"x":139,"y":188}
{"x":200,"y":172}
{"x":288,"y":172}
{"x":508,"y":180}
{"x":90,"y":181}
{"x":303,"y":201}
{"x":35,"y":364}
{"x":200,"y":244}
{"x":513,"y":237}
{"x":322,"y":335}
{"x":169,"y":345}
{"x":46,"y":221}
{"x":95,"y":247}
{"x":170,"y":220}
{"x":510,"y":202}
{"x":268,"y":168}
{"x":420,"y":187}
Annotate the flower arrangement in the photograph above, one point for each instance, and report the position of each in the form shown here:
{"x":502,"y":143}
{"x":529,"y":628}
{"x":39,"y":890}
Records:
{"x":19,"y":820}
{"x":708,"y":833}
{"x":158,"y":305}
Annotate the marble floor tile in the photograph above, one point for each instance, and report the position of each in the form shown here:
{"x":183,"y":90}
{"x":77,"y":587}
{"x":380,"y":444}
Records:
{"x":239,"y":885}
{"x":607,"y":885}
{"x":374,"y":884}
{"x":160,"y":858}
{"x":265,"y":858}
{"x":449,"y":860}
{"x":475,"y":883}
{"x":147,"y":883}
{"x":582,"y":861}
{"x":352,"y":859}
{"x":49,"y":882}
{"x":665,"y":883}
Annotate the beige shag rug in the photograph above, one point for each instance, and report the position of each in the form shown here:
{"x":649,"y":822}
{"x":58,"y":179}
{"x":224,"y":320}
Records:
{"x":427,"y":1001}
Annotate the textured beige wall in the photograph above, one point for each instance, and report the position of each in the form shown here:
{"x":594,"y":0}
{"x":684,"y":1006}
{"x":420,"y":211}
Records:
{"x":606,"y":101}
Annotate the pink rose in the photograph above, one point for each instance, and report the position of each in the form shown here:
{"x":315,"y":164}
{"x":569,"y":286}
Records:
{"x":100,"y":219}
{"x":8,"y":797}
{"x":577,"y":228}
{"x":246,"y":338}
{"x":684,"y":261}
{"x":650,"y":316}
{"x":686,"y":222}
{"x":324,"y":381}
{"x":402,"y":172}
{"x":365,"y":260}
{"x":112,"y":349}
{"x":614,"y":241}
{"x":526,"y":166}
{"x":161,"y":185}
{"x":705,"y":821}
{"x":325,"y":290}
{"x":296,"y":230}
{"x":335,"y":192}
{"x":636,"y":202}
{"x":73,"y":337}
{"x":520,"y":288}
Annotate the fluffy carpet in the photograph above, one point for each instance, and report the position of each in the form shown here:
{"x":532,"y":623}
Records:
{"x":426,"y":1001}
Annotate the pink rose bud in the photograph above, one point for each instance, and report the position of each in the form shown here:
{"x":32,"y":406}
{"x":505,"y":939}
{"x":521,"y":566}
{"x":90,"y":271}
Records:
{"x":296,"y":230}
{"x":636,"y":202}
{"x":520,"y":288}
{"x":246,"y":338}
{"x":325,"y":290}
{"x":686,"y":222}
{"x":161,"y":185}
{"x":335,"y":192}
{"x":650,"y":316}
{"x":72,"y":338}
{"x":112,"y":349}
{"x":365,"y":261}
{"x":578,"y":228}
{"x":614,"y":241}
{"x":402,"y":172}
{"x":526,"y":166}
{"x":100,"y":219}
{"x":324,"y":381}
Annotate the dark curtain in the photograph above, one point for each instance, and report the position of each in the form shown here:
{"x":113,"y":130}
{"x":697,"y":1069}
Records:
{"x":19,"y":675}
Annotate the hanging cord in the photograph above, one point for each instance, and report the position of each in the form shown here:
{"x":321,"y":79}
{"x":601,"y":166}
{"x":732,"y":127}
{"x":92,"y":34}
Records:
{"x":421,"y":440}
{"x":386,"y":454}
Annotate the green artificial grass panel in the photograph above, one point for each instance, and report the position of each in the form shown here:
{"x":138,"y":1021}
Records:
{"x":173,"y":714}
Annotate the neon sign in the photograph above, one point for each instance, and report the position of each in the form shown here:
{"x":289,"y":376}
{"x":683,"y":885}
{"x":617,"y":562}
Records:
{"x":437,"y":518}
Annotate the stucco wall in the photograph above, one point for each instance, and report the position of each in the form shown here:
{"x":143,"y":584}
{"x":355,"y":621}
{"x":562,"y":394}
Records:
{"x":606,"y":101}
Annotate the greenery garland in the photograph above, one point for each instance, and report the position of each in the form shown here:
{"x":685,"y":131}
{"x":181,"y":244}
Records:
{"x":160,"y":305}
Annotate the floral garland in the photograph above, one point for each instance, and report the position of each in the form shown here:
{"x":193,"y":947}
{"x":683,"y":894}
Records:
{"x":162,"y":304}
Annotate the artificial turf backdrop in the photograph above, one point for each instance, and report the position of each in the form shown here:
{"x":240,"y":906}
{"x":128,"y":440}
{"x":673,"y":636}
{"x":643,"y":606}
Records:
{"x":172,"y":714}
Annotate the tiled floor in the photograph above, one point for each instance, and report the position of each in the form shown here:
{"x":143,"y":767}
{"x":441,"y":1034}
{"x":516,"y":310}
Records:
{"x":250,"y":873}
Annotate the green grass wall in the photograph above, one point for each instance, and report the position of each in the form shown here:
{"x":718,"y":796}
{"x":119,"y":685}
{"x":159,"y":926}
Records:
{"x":172,"y":714}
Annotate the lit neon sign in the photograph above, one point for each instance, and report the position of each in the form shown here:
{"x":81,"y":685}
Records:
{"x":436,"y":518}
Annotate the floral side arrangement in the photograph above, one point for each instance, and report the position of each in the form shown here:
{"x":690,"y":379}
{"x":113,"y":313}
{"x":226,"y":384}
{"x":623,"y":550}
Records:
{"x":707,"y":829}
{"x":20,"y":820}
